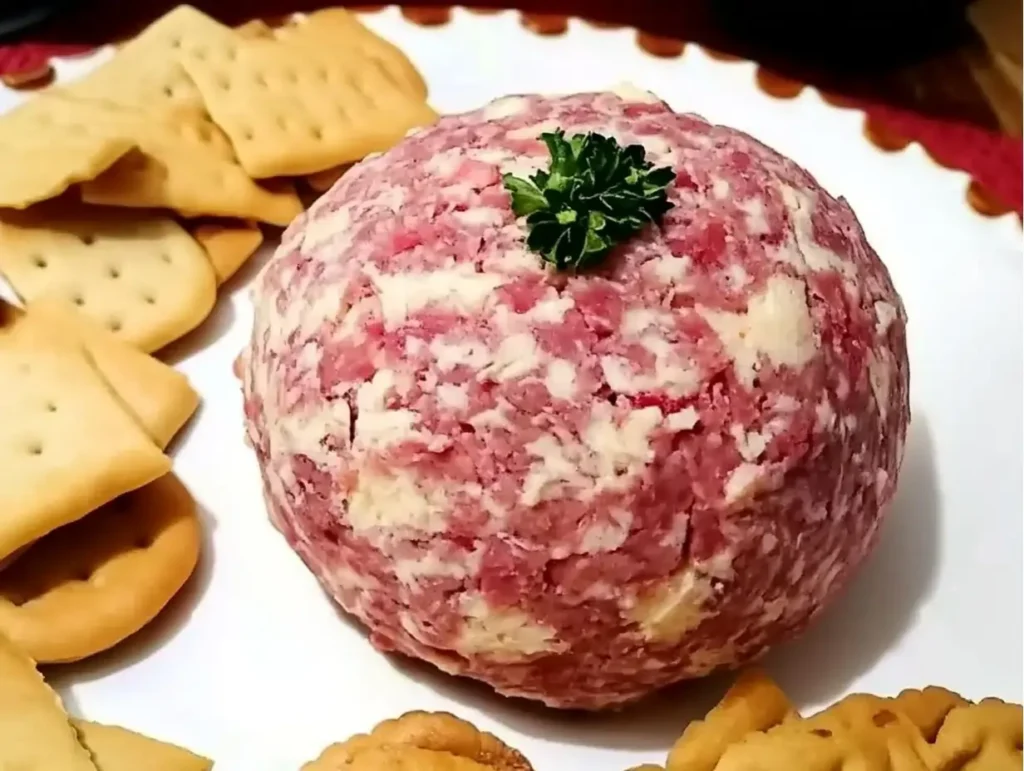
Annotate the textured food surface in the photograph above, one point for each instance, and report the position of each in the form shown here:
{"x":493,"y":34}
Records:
{"x":577,"y":488}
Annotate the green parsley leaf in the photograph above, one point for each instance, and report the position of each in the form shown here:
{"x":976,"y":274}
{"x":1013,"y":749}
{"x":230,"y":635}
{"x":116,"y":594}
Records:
{"x":595,"y":195}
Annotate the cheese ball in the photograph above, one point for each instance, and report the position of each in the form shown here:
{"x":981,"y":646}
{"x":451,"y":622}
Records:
{"x":577,"y":487}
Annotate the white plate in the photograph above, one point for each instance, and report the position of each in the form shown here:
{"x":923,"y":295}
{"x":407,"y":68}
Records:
{"x":254,"y":666}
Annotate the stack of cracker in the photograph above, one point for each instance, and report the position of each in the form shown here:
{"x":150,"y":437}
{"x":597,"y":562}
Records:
{"x":36,"y":732}
{"x":756,"y":728}
{"x":97,"y":535}
{"x":130,"y":194}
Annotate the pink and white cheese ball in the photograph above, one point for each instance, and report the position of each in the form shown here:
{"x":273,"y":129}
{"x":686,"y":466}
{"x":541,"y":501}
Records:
{"x":578,"y":488}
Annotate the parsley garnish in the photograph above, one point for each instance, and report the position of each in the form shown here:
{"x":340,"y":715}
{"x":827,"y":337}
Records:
{"x":595,"y":195}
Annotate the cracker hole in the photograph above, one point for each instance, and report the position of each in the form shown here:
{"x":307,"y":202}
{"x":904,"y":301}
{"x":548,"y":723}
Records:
{"x":260,"y":80}
{"x":317,"y":133}
{"x":51,"y":407}
{"x":149,"y":299}
{"x":165,"y":257}
{"x":824,"y":733}
{"x":169,"y":91}
{"x":35,"y":448}
{"x":78,"y":300}
{"x":114,"y":325}
{"x":38,"y":260}
{"x":176,"y":42}
{"x":223,"y":83}
{"x":883,"y":718}
{"x":247,"y":134}
{"x":114,"y":272}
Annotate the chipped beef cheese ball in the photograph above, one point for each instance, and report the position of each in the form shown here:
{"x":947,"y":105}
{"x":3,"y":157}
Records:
{"x":577,"y":487}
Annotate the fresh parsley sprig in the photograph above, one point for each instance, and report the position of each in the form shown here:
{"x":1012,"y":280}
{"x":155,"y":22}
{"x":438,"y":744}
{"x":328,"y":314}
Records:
{"x":595,"y":195}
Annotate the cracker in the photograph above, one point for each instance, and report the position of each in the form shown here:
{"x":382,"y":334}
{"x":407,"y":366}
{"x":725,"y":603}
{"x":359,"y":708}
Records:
{"x":331,"y":26}
{"x":304,"y":101}
{"x":753,"y":703}
{"x":139,"y":275}
{"x":323,"y":181}
{"x":67,"y":444}
{"x":182,"y":162}
{"x":41,"y":158}
{"x":145,"y":71}
{"x":228,"y":246}
{"x":423,"y":741}
{"x":118,"y":749}
{"x":158,"y":396}
{"x":34,"y":729}
{"x":89,"y":585}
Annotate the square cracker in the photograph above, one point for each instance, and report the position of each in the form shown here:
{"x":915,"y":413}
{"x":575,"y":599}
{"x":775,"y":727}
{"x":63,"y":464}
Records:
{"x":118,"y":749}
{"x":67,"y":444}
{"x":41,"y":157}
{"x":139,"y":275}
{"x":182,"y":162}
{"x":304,"y":101}
{"x":145,"y":71}
{"x":158,"y":396}
{"x":228,"y":245}
{"x":35,"y":732}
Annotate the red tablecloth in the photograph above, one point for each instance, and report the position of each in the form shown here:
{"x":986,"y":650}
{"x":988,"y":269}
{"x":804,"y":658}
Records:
{"x":993,"y":160}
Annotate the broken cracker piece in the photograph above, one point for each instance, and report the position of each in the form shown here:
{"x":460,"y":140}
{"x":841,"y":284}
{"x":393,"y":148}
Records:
{"x":228,"y":245}
{"x":67,"y":444}
{"x":41,"y":158}
{"x":304,"y":103}
{"x":87,"y":586}
{"x":180,"y":161}
{"x":422,"y":741}
{"x":158,"y":396}
{"x":35,"y":732}
{"x":118,"y":749}
{"x":139,"y":275}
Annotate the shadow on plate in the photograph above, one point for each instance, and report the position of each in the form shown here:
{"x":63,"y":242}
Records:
{"x":870,"y":617}
{"x":880,"y":605}
{"x":159,"y":632}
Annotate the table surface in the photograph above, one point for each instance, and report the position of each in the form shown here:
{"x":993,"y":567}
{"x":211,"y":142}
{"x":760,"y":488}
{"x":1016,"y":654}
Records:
{"x":888,"y":52}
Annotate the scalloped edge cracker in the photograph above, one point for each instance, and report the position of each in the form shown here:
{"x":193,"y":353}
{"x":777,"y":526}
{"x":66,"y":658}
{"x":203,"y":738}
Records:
{"x":228,"y":246}
{"x":67,"y":443}
{"x":41,"y":158}
{"x":118,"y":749}
{"x":89,"y":585}
{"x":422,"y":741}
{"x":159,"y":396}
{"x":306,"y":101}
{"x":141,"y":276}
{"x":35,"y":732}
{"x":919,"y":730}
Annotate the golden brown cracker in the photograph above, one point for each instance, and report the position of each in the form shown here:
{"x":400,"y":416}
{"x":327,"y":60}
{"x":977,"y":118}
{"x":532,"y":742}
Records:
{"x":181,"y":161}
{"x":753,"y":703}
{"x":323,"y":181}
{"x":158,"y":396}
{"x":42,"y":157}
{"x":139,"y":275}
{"x":255,"y":28}
{"x":330,"y":26}
{"x":67,"y":444}
{"x":118,"y":749}
{"x":35,"y":732}
{"x":145,"y":72}
{"x":430,"y":741}
{"x":91,"y":584}
{"x":303,"y":103}
{"x":228,"y":245}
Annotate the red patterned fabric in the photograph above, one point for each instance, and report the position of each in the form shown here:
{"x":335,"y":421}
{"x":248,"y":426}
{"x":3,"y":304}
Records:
{"x":996,"y":161}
